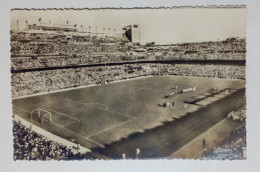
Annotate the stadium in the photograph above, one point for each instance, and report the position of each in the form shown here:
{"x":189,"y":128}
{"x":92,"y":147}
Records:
{"x":91,"y":95}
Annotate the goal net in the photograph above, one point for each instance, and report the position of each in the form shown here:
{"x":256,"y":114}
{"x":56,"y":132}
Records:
{"x":42,"y":115}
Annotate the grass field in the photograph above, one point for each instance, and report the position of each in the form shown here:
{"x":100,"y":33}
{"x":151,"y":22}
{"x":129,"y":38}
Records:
{"x":99,"y":116}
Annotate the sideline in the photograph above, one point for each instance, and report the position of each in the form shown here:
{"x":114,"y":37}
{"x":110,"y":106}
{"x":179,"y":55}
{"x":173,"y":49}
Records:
{"x":63,"y":127}
{"x":111,"y":82}
{"x":49,"y":135}
{"x":79,"y":87}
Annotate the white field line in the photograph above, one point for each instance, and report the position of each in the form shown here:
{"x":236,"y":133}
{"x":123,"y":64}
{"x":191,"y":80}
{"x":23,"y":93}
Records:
{"x":64,"y":114}
{"x":133,"y":118}
{"x":70,"y":123}
{"x":75,"y":88}
{"x":50,"y":110}
{"x":190,"y":129}
{"x":110,"y":128}
{"x":101,"y":108}
{"x":48,"y":134}
{"x":155,"y":90}
{"x":117,"y":81}
{"x":125,"y":115}
{"x":21,"y":109}
{"x":66,"y":129}
{"x":80,"y":135}
{"x":87,"y":104}
{"x":99,"y":104}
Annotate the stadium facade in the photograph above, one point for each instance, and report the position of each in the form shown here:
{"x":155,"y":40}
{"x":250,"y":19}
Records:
{"x":132,"y":32}
{"x":44,"y":63}
{"x":53,"y":27}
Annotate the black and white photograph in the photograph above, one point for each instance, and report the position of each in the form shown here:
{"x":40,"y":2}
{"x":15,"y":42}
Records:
{"x":129,"y":83}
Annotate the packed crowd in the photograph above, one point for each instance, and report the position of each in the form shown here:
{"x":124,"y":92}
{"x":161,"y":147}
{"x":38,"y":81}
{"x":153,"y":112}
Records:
{"x":42,"y":50}
{"x":35,"y":50}
{"x":25,"y":83}
{"x":228,"y":44}
{"x":64,"y":60}
{"x":28,"y":145}
{"x":31,"y":44}
{"x":216,"y":71}
{"x":236,"y":143}
{"x":238,"y":115}
{"x":43,"y":61}
{"x":204,"y":55}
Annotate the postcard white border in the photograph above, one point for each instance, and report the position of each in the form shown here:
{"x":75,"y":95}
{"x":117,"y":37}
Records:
{"x":253,"y":94}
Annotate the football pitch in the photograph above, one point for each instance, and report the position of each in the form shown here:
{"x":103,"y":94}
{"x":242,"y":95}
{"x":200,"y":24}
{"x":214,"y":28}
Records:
{"x":119,"y":117}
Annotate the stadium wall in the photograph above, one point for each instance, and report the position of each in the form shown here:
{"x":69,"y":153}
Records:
{"x":48,"y":134}
{"x":222,"y":62}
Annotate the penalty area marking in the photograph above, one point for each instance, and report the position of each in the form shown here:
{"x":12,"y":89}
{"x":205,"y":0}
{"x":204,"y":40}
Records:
{"x":66,"y":129}
{"x":87,"y":104}
{"x":87,"y":138}
{"x":80,"y":135}
{"x":21,"y":109}
{"x":90,"y":104}
{"x":111,"y":128}
{"x":70,"y":123}
{"x":77,"y":120}
{"x":133,"y":118}
{"x":99,"y":104}
{"x":63,"y":114}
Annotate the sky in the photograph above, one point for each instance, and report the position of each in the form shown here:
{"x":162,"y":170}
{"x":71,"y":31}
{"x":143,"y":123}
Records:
{"x":162,"y":26}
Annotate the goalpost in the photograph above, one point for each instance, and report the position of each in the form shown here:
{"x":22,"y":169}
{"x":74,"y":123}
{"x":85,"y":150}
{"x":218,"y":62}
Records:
{"x":42,"y":115}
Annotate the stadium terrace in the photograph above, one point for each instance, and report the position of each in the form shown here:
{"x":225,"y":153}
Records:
{"x":108,"y":93}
